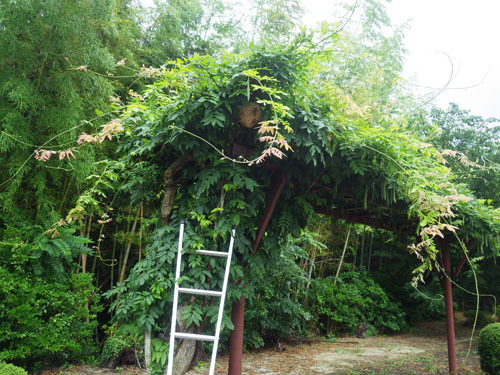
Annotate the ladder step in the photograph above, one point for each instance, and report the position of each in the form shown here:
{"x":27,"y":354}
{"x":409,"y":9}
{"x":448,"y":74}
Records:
{"x":193,"y":336}
{"x":213,"y":253}
{"x":202,"y":292}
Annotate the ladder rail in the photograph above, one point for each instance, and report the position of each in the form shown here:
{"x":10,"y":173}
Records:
{"x":221,"y":305}
{"x":176,"y":300}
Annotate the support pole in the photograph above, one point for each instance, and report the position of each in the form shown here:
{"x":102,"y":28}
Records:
{"x":238,"y":308}
{"x":236,"y":339}
{"x":448,"y":299}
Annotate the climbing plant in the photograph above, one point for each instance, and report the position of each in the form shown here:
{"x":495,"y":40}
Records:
{"x":336,"y":155}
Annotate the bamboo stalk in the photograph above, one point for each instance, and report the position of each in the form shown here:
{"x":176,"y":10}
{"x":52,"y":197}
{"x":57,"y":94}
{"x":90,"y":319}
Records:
{"x":140,"y":232}
{"x":113,"y":256}
{"x":127,"y":249}
{"x":65,"y":190}
{"x":361,"y":258}
{"x":311,"y":266}
{"x":87,"y":234}
{"x":370,"y":252}
{"x":342,"y":257}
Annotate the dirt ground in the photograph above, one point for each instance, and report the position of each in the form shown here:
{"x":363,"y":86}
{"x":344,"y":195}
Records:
{"x":421,"y":351}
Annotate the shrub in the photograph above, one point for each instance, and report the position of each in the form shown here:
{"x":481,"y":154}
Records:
{"x":44,"y":323}
{"x":9,"y":369}
{"x":112,"y":348}
{"x":45,"y":319}
{"x":355,"y":299}
{"x":276,"y":310}
{"x":489,"y":349}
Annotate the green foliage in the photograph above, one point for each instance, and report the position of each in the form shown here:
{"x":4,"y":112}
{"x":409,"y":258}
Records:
{"x":349,"y":156}
{"x":426,"y":302}
{"x":45,"y":323}
{"x":54,"y":61}
{"x":489,"y":348}
{"x":276,"y":310}
{"x":112,"y":347}
{"x":355,"y":299}
{"x":159,"y":355}
{"x":371,"y":331}
{"x":144,"y":295}
{"x":49,"y":255}
{"x":44,"y":319}
{"x":10,"y":369}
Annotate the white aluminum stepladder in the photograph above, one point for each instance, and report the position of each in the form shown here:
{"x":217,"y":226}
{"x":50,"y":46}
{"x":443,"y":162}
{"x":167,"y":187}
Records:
{"x":222,"y":294}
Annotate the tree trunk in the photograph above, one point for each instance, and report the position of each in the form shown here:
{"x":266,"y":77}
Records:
{"x":167,"y":203}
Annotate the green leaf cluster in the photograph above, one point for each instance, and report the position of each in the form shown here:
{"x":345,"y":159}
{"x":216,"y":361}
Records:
{"x":355,"y":299}
{"x":10,"y":369}
{"x":489,"y":348}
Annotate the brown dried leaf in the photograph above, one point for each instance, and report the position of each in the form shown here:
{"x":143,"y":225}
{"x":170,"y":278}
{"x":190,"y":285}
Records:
{"x":121,"y":62}
{"x":82,"y":68}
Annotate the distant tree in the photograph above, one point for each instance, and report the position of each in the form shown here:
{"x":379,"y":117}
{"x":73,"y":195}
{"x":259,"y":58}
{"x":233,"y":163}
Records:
{"x":56,"y":59}
{"x":176,"y":29}
{"x":276,"y":20}
{"x":363,"y":58}
{"x":478,"y":139}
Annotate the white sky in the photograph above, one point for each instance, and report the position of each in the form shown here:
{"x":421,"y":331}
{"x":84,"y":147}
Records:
{"x":466,"y":30}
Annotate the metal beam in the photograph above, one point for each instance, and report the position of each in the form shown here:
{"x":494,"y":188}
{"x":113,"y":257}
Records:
{"x":279,"y":182}
{"x":355,"y":218}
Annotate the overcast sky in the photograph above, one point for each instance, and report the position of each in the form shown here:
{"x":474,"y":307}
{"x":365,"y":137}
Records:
{"x":465,"y":30}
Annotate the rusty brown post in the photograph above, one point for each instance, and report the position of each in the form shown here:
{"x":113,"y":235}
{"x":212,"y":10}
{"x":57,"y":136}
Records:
{"x":448,"y":300}
{"x":279,"y":181}
{"x":238,"y":308}
{"x":236,"y":339}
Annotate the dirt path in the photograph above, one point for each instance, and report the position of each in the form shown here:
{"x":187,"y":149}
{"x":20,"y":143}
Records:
{"x":422,"y":351}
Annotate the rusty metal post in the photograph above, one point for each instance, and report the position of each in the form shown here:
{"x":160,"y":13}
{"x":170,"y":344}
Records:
{"x":279,"y":182}
{"x":236,"y":339}
{"x":448,"y":299}
{"x":238,"y":308}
